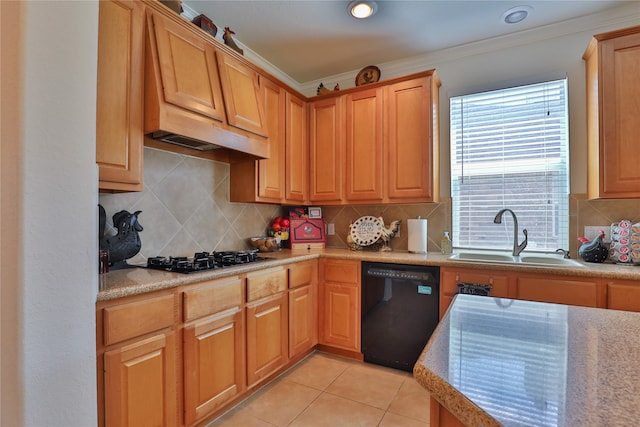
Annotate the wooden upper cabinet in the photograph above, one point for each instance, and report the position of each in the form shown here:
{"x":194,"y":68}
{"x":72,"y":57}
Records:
{"x":242,"y":99}
{"x":613,"y":89}
{"x":119,"y":118}
{"x":188,"y":69}
{"x":296,"y":155}
{"x":412,"y":139}
{"x":377,"y":143}
{"x":197,"y":95}
{"x":271,"y":173}
{"x":283,"y":177}
{"x":364,"y":145}
{"x":326,"y":125}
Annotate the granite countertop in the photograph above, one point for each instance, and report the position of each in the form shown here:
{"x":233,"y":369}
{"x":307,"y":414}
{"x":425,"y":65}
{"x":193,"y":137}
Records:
{"x":133,"y":281}
{"x":500,"y":362}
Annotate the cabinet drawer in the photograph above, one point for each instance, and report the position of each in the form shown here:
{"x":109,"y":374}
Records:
{"x":266,"y":282}
{"x":137,"y":318}
{"x":300,"y":274}
{"x":341,"y":271}
{"x":211,"y":297}
{"x":623,"y":295}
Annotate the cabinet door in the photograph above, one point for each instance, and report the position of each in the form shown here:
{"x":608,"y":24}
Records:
{"x":339,"y":308}
{"x":271,"y":171}
{"x":339,"y":316}
{"x":140,"y":383}
{"x":412,"y":152}
{"x":119,"y":134}
{"x":267,"y":330}
{"x":188,"y":69}
{"x":214,"y":366}
{"x":326,"y":127}
{"x":620,"y":91}
{"x":303,"y":320}
{"x":561,"y":290}
{"x":364,"y":139}
{"x":623,"y":295}
{"x":297,"y":158}
{"x":242,"y":98}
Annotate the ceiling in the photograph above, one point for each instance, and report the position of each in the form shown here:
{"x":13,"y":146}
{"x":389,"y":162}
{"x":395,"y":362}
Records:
{"x":309,"y":40}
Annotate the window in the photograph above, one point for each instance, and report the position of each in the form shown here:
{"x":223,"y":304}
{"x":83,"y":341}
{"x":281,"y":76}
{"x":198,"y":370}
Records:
{"x":509,"y":149}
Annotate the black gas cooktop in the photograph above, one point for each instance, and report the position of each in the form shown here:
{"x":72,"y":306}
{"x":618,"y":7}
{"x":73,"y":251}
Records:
{"x":203,"y":261}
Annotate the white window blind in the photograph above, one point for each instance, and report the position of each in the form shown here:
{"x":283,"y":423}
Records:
{"x":509,"y":149}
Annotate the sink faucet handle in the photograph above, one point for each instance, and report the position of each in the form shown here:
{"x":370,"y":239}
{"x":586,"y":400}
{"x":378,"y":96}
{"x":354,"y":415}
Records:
{"x":522,"y":245}
{"x":565,"y":254}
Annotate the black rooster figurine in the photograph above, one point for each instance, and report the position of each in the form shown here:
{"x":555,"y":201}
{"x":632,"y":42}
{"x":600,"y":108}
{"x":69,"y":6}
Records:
{"x":126,"y":243}
{"x":595,"y":250}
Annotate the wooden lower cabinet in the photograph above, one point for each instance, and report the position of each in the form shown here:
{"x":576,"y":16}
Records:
{"x":543,"y":287}
{"x":439,"y":416}
{"x":501,"y":283}
{"x":339,"y":308}
{"x":303,"y":320}
{"x":623,"y":294}
{"x":214,"y":369}
{"x":140,"y":383}
{"x":267,"y":336}
{"x":581,"y":291}
{"x":137,"y":353}
{"x":303,"y":307}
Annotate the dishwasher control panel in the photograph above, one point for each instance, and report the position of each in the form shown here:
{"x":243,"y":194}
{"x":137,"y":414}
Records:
{"x":399,"y":274}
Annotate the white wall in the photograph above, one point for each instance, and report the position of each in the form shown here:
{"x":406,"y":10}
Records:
{"x":56,"y":305}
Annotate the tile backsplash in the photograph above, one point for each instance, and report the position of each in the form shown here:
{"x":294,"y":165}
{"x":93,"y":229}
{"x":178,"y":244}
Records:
{"x":185,"y":208}
{"x":586,"y":212}
{"x":437,"y":215}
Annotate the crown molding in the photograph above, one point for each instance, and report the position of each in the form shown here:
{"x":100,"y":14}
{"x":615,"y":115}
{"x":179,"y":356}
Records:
{"x":623,"y":16}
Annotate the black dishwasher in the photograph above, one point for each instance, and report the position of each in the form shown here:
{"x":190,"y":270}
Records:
{"x":399,"y":312}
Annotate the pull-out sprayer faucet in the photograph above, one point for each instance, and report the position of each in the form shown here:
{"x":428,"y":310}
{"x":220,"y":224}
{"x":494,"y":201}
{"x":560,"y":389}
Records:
{"x":517,"y":248}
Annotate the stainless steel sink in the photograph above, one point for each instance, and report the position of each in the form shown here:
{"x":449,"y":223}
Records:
{"x":492,"y":258}
{"x":540,"y":260}
{"x":484,"y":257}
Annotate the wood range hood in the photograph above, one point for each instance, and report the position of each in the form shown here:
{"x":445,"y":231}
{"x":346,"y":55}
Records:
{"x":198,"y":94}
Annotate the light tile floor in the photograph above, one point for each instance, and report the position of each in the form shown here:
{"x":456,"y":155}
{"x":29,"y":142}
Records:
{"x":326,"y":390}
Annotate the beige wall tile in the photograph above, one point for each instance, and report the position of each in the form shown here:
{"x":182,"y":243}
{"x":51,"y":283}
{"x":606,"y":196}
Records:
{"x":185,"y":207}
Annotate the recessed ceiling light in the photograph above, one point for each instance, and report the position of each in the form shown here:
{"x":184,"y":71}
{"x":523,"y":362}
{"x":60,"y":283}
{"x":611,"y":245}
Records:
{"x":516,"y":14}
{"x":362,"y":9}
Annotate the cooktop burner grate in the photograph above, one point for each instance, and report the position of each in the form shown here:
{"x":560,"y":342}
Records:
{"x":202,"y":261}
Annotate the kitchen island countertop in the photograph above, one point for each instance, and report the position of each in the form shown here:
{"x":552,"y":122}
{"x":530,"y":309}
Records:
{"x":133,"y":281}
{"x":501,"y":362}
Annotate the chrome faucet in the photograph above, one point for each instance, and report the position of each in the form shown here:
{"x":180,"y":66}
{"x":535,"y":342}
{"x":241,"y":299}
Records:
{"x":517,"y":248}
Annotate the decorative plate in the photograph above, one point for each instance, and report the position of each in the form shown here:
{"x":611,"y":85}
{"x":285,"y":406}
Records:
{"x":370,"y":74}
{"x":366,"y":230}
